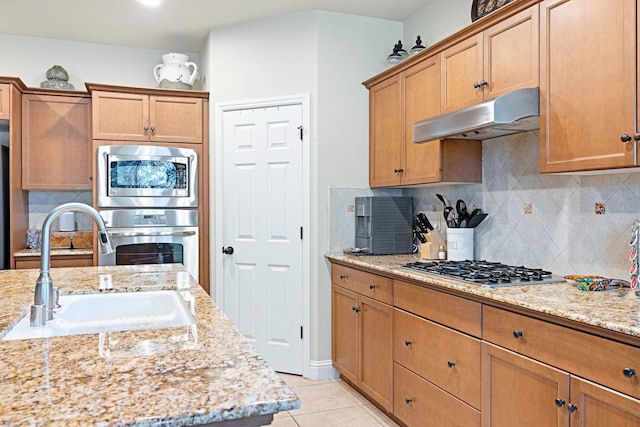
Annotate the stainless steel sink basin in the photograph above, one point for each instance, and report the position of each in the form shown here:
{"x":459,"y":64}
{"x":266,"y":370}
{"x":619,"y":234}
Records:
{"x":96,"y":313}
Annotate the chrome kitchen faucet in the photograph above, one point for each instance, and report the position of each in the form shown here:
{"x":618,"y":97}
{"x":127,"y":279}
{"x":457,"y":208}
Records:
{"x":44,"y":300}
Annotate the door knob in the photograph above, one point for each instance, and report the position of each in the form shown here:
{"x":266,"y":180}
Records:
{"x":228,"y":250}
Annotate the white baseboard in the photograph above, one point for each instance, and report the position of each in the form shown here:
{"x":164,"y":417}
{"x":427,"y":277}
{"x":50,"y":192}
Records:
{"x":321,"y":370}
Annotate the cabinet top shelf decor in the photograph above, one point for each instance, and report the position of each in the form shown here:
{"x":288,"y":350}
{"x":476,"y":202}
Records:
{"x":476,"y":27}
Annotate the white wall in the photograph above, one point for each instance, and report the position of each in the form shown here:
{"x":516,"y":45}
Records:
{"x":317,"y":53}
{"x":29,"y":58}
{"x":437,"y":20}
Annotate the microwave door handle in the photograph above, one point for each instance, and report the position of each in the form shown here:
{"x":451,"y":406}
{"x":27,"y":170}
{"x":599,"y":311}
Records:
{"x":161,"y":234}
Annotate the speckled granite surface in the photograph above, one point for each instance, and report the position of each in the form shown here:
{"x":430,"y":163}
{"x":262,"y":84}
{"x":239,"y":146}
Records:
{"x":180,"y":376}
{"x":613,"y":309}
{"x":54,"y":251}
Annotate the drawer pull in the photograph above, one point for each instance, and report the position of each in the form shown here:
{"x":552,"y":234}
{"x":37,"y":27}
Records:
{"x":559,"y":402}
{"x":343,"y":276}
{"x":372,"y":286}
{"x":407,"y":343}
{"x":572,"y":408}
{"x":356,"y":309}
{"x":408,"y":401}
{"x":628,"y":372}
{"x":517,"y":334}
{"x":451,"y":364}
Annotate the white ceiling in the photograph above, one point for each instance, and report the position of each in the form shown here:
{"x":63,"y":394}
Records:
{"x":180,"y":25}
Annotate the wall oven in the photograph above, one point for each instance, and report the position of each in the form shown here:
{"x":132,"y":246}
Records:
{"x":153,"y":236}
{"x":147,"y":176}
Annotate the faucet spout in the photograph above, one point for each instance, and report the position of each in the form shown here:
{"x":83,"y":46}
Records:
{"x":43,"y":301}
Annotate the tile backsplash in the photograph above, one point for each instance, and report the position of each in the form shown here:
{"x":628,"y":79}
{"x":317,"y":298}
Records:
{"x":569,"y":224}
{"x":42,"y":202}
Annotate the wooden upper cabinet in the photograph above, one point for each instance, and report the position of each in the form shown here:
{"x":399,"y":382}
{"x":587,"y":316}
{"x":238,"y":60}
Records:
{"x":486,"y":65}
{"x":56,"y":142}
{"x":386,"y":145}
{"x":588,"y":84}
{"x":5,"y":96}
{"x":147,"y":118}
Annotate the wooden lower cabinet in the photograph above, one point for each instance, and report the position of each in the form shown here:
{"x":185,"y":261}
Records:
{"x":56,"y":261}
{"x":417,"y":402}
{"x":518,"y":391}
{"x":599,"y":406}
{"x":362,"y":348}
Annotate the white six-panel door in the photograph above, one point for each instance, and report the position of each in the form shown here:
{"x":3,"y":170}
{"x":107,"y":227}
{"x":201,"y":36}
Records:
{"x":262,"y":215}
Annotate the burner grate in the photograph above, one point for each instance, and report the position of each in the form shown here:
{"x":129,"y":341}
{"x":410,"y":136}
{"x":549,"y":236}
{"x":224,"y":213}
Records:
{"x":485,"y":273}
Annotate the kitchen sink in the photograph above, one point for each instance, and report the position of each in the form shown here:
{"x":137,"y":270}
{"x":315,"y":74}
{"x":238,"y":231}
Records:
{"x":111,"y":312}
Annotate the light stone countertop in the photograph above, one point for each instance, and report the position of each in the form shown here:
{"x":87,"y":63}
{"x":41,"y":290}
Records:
{"x":54,"y":251}
{"x":616,"y":310}
{"x":175,"y":376}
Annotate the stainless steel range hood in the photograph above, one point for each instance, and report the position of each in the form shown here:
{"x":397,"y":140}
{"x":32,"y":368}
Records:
{"x":514,"y":112}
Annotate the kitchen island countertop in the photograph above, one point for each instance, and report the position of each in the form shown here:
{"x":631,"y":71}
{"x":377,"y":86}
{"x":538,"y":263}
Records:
{"x":616,"y":310}
{"x":198,"y":374}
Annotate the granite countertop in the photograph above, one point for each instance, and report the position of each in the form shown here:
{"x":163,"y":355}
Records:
{"x":192,"y":375}
{"x":54,"y":251}
{"x":612,"y":309}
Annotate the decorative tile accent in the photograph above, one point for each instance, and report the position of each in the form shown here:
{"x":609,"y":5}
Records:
{"x":528,"y":208}
{"x":600,"y":209}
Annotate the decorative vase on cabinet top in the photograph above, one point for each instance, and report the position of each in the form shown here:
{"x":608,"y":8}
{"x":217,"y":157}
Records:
{"x":174,"y":72}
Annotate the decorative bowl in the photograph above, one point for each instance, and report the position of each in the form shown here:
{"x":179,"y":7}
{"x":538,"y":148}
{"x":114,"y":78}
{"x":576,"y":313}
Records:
{"x":590,"y":283}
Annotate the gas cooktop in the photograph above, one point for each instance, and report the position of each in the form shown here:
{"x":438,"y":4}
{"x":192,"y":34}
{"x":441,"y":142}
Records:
{"x":487,"y":274}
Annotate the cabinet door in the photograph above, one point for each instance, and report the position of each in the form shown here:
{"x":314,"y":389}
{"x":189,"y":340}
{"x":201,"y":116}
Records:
{"x":344,"y":332}
{"x":120,"y":116}
{"x":421,"y":89}
{"x":461,"y":69}
{"x":56,"y":261}
{"x":386,"y":145}
{"x":587,"y":84}
{"x":599,"y":406}
{"x":56,"y":143}
{"x":375,"y":351}
{"x":518,"y":391}
{"x":511,"y":54}
{"x":175,"y":119}
{"x":5,"y":95}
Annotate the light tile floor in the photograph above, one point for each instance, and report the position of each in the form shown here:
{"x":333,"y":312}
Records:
{"x":329,"y":403}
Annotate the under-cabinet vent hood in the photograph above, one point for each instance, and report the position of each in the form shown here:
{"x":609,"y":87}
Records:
{"x":514,"y":112}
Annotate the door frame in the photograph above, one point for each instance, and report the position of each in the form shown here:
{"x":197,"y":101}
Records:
{"x":220,"y":109}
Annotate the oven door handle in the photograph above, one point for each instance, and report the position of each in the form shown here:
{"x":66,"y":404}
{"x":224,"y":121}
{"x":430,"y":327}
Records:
{"x":158,"y":234}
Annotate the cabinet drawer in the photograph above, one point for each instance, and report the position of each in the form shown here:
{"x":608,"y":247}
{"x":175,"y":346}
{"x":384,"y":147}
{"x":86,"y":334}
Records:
{"x":597,"y":359}
{"x":370,"y":285}
{"x":417,"y":402}
{"x":449,"y":359}
{"x":455,"y":312}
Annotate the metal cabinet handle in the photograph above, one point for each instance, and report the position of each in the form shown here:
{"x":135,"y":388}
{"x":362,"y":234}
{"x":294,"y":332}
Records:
{"x":160,"y":233}
{"x":398,"y":170}
{"x":408,"y":401}
{"x":451,"y":364}
{"x":372,"y":286}
{"x":628,"y":372}
{"x":153,"y":130}
{"x":625,"y":137}
{"x":559,"y":402}
{"x":480,"y":84}
{"x":356,"y":309}
{"x":572,"y":408}
{"x":517,"y":334}
{"x":343,"y":276}
{"x":407,"y":343}
{"x":146,"y":130}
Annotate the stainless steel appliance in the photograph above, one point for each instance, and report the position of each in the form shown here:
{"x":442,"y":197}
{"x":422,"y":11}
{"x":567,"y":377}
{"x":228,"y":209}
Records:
{"x":153,"y":236}
{"x":487,"y":274}
{"x":384,"y":225}
{"x":147,"y":176}
{"x":514,"y":112}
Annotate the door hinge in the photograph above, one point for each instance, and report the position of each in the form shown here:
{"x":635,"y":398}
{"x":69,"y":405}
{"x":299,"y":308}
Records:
{"x":301,"y":129}
{"x":301,"y":233}
{"x":300,"y":332}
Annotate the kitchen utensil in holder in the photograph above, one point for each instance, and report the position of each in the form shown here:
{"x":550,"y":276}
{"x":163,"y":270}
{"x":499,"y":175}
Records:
{"x":460,"y":244}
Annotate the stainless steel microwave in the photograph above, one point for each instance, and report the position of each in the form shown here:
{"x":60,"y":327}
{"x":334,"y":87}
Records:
{"x":147,"y":176}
